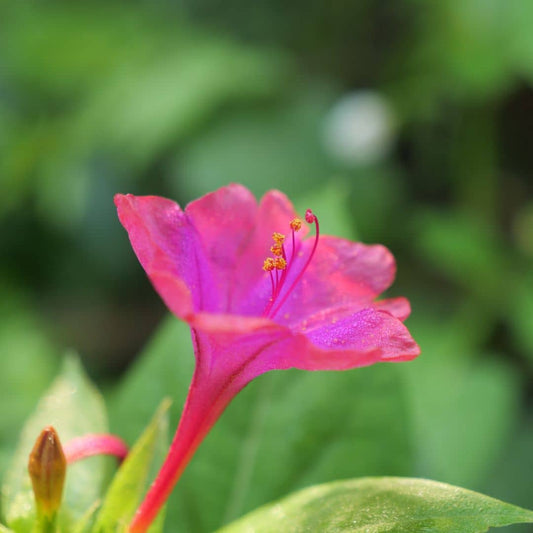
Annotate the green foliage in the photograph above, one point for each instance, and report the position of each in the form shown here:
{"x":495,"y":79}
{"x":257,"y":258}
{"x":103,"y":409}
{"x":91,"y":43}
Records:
{"x":134,"y":476}
{"x":140,"y":75}
{"x":29,"y":363}
{"x":463,"y":404}
{"x":179,"y":98}
{"x":274,"y":146}
{"x":74,"y":408}
{"x":379,"y":505}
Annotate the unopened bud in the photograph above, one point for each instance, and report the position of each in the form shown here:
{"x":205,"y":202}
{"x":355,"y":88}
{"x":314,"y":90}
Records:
{"x":47,"y":467}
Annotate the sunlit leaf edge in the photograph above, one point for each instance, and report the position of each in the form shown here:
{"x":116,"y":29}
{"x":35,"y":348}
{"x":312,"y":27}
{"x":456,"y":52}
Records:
{"x":377,"y":505}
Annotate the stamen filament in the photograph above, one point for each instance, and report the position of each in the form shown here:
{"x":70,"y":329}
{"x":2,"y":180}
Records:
{"x":310,"y":218}
{"x":280,"y":262}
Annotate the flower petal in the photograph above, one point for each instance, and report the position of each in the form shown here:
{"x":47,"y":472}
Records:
{"x":252,"y":287}
{"x":225,"y":220}
{"x":398,"y":307}
{"x":341,"y":273}
{"x":228,"y":323}
{"x":329,"y":342}
{"x":236,"y":236}
{"x":168,"y":248}
{"x":210,"y":257}
{"x":368,"y":337}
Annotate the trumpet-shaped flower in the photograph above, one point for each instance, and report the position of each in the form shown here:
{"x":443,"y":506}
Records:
{"x":259,"y":294}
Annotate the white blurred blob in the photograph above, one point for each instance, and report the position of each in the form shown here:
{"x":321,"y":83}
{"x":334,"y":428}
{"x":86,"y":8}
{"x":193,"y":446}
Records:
{"x":359,"y":129}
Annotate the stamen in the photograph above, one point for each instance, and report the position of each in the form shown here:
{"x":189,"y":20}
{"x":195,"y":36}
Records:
{"x":268,"y":265}
{"x":295,"y":224}
{"x":277,"y":249}
{"x":278,"y":238}
{"x":279,"y":263}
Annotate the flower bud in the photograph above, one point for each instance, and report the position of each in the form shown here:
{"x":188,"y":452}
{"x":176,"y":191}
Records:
{"x":47,"y":467}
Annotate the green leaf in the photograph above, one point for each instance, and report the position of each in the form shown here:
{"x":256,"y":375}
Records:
{"x":134,"y":476}
{"x":361,"y":429}
{"x":376,"y":505}
{"x":29,"y":364}
{"x":74,"y":407}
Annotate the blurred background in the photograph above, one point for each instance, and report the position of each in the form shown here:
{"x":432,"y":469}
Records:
{"x":406,"y":123}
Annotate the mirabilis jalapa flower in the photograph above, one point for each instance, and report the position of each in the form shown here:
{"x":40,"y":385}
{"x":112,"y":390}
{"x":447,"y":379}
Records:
{"x":258,"y":296}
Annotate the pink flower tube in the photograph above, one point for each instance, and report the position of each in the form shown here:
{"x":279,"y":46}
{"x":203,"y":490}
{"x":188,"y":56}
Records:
{"x":258,"y":296}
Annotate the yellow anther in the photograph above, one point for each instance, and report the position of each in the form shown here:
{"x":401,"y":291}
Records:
{"x":295,"y":224}
{"x":278,"y":238}
{"x":280,"y":263}
{"x":269,"y":264}
{"x":276,"y":249}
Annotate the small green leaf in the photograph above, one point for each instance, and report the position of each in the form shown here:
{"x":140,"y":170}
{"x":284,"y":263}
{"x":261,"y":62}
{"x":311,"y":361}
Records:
{"x":376,"y":505}
{"x":135,"y":474}
{"x":73,"y":407}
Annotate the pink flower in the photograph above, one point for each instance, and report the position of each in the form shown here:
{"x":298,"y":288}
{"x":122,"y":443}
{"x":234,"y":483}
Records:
{"x":258,"y":296}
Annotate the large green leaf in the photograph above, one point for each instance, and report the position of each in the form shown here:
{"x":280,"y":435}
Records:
{"x":74,"y":407}
{"x":379,"y":505}
{"x":135,"y":475}
{"x":286,"y":430}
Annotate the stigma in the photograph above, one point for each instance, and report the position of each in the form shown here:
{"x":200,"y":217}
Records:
{"x":279,"y":264}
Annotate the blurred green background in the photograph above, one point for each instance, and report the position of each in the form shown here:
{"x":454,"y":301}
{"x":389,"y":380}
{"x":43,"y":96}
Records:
{"x":407,"y":123}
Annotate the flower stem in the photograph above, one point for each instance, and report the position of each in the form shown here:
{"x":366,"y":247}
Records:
{"x":95,"y":444}
{"x":200,"y":412}
{"x":45,"y":524}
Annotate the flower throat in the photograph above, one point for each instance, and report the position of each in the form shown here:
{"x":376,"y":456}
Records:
{"x":279,"y":265}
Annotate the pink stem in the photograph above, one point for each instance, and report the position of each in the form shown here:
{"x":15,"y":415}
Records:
{"x":199,"y":414}
{"x":95,"y":444}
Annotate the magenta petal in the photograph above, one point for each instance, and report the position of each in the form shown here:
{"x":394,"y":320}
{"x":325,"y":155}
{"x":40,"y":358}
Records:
{"x":341,"y":273}
{"x":168,"y":248}
{"x":236,"y":236}
{"x":252,"y":288}
{"x":398,"y":307}
{"x":225,"y":220}
{"x":368,"y":337}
